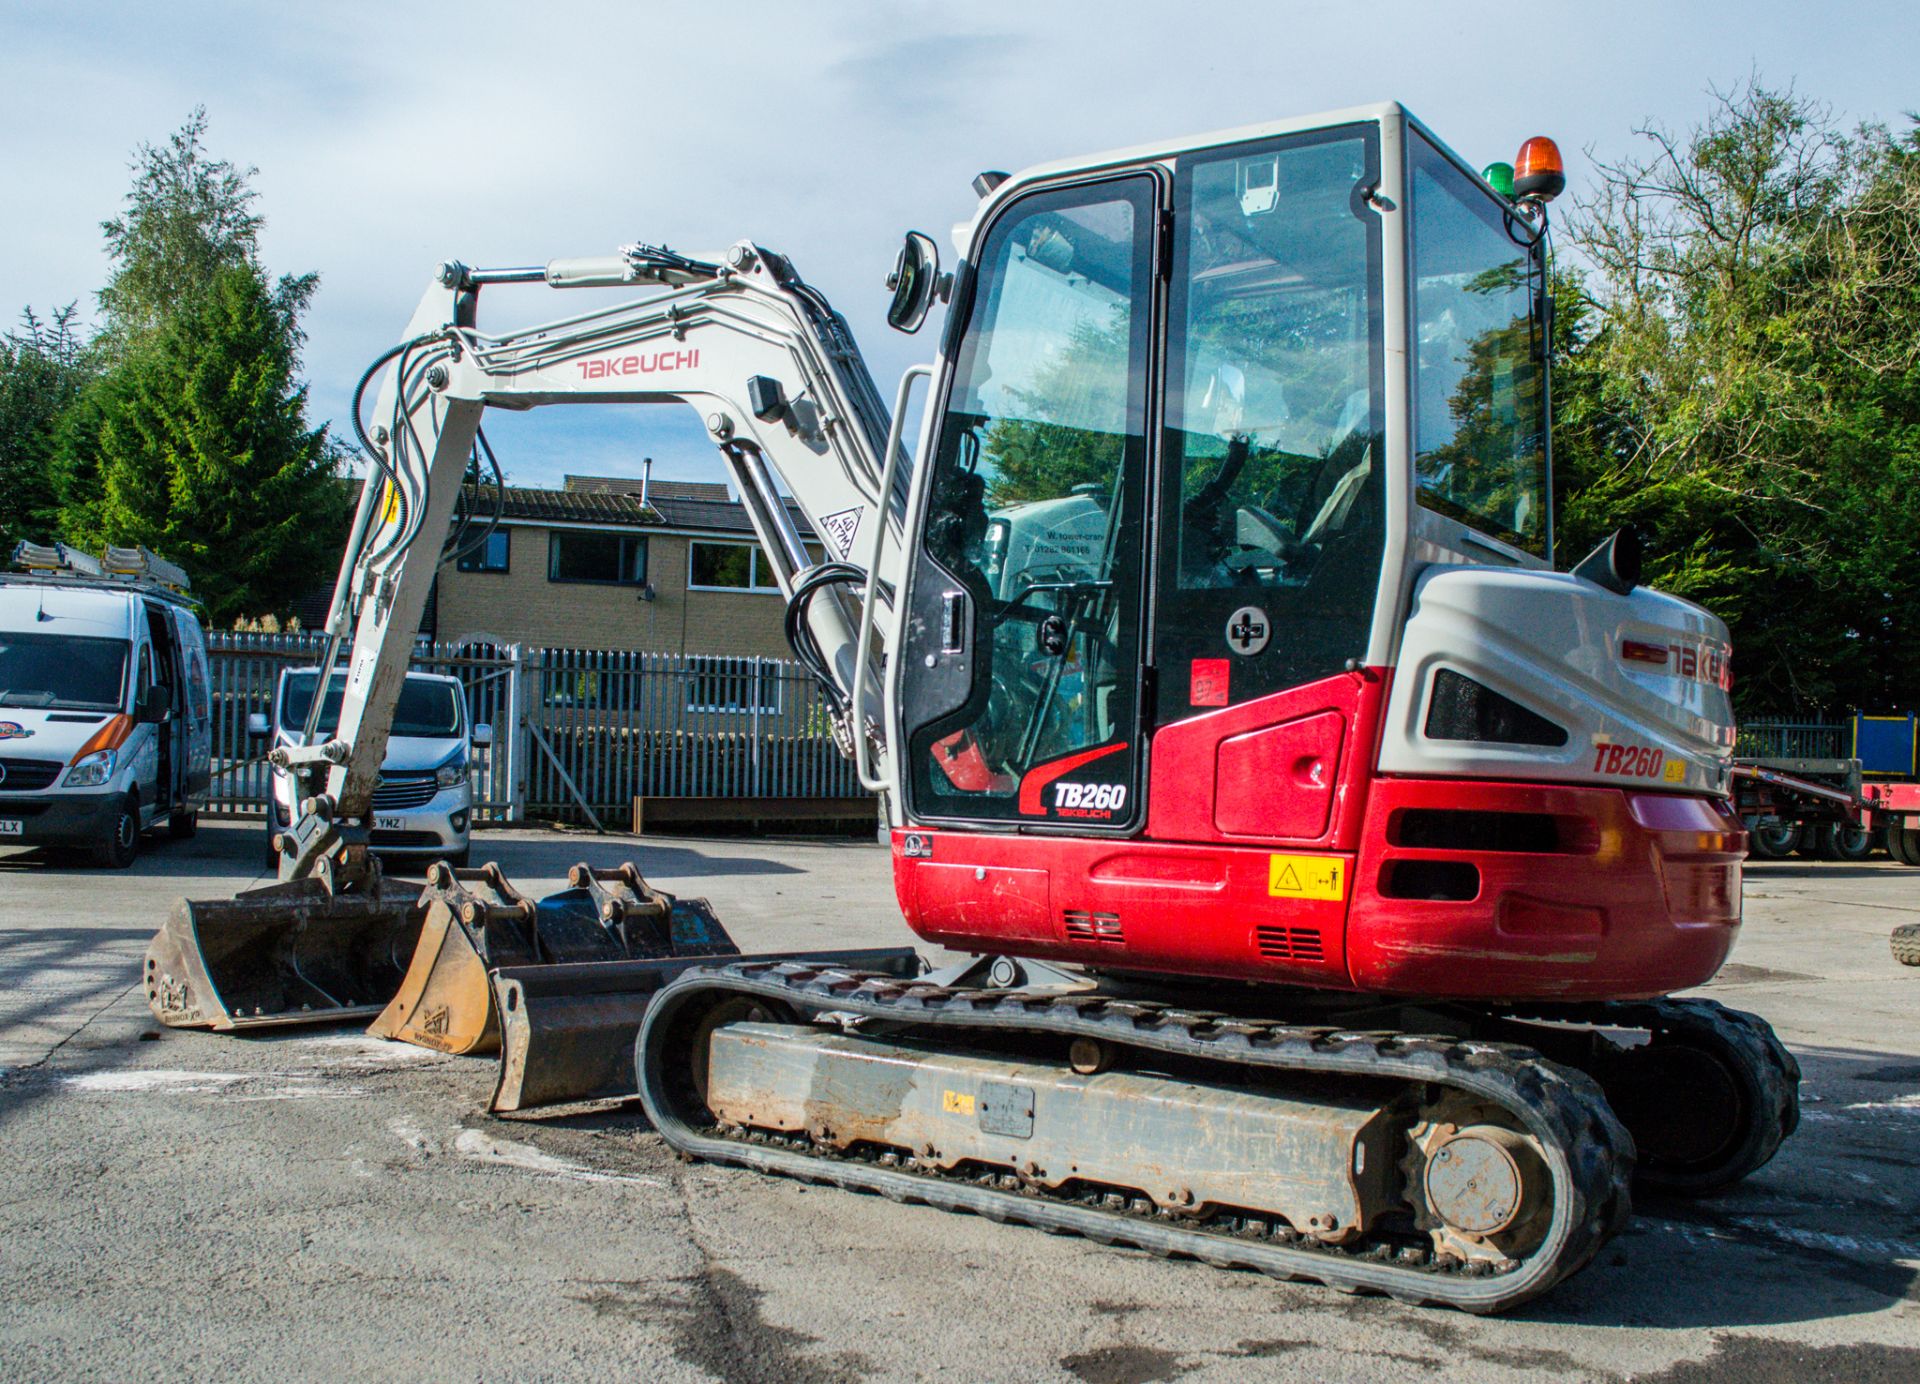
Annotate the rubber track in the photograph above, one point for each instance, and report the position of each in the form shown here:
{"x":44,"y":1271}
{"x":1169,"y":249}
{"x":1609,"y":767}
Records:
{"x":1588,"y":1152}
{"x":1749,"y":1035}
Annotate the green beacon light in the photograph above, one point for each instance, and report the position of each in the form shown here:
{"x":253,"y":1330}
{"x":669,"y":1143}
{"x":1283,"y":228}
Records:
{"x":1499,"y":177}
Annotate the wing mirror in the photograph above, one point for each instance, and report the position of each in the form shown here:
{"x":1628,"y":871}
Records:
{"x":152,"y":707}
{"x":482,"y":736}
{"x":257,"y":727}
{"x":916,"y":281}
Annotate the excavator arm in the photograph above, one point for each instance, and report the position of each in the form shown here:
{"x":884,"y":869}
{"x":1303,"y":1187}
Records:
{"x":784,"y":392}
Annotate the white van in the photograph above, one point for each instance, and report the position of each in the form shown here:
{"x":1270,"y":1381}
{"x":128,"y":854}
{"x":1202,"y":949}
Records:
{"x":423,"y":803}
{"x":105,"y":722}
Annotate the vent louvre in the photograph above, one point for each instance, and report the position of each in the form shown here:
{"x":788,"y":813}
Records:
{"x":1290,"y":943}
{"x":1082,"y":926}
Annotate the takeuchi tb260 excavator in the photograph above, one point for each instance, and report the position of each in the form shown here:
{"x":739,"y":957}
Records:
{"x":1328,"y":853}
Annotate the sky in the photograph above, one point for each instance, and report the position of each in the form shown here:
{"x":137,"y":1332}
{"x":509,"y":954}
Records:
{"x":390,"y":137}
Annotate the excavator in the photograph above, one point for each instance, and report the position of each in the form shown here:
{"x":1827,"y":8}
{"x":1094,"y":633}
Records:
{"x":1325,"y":853}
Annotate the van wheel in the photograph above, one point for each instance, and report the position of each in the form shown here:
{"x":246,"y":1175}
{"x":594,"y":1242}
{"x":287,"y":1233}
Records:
{"x":182,"y":825}
{"x":123,"y":837}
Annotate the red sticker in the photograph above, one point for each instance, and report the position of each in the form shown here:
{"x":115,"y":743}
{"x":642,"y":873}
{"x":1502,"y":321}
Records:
{"x":1210,"y":681}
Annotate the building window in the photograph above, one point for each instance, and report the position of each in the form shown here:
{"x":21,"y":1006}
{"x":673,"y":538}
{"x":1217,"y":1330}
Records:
{"x":617,"y":559}
{"x":728,"y":567}
{"x":492,"y":556}
{"x":755,"y":687}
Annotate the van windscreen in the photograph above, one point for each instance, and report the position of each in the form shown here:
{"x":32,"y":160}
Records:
{"x":429,"y":710}
{"x":62,"y":670}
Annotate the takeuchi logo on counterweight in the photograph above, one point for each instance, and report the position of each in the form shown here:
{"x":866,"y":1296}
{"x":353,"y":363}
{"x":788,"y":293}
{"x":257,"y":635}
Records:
{"x":645,"y":363}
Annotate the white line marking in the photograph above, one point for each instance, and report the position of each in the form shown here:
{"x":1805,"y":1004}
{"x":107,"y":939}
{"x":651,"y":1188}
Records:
{"x":483,"y":1148}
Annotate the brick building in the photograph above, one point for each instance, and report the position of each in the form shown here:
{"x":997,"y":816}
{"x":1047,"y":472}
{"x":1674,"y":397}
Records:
{"x":596,"y":565}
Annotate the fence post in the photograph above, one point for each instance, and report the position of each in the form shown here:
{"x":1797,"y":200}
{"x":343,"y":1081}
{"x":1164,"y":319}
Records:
{"x":518,"y":752}
{"x":753,"y":726}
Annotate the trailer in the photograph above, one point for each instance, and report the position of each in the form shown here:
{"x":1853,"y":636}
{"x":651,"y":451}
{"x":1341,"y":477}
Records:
{"x":1829,"y":807}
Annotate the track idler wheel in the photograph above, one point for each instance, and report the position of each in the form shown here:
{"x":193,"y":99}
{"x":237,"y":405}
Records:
{"x":1709,"y":1098}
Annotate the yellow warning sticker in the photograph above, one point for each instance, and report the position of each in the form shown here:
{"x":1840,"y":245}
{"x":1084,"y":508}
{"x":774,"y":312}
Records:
{"x":390,"y":505}
{"x":956,"y":1103}
{"x":1307,"y":877}
{"x":1676,"y":771}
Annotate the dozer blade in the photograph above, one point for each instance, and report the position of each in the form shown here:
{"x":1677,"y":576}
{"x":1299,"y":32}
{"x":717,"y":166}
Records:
{"x":567,"y":1031}
{"x":284,"y":954}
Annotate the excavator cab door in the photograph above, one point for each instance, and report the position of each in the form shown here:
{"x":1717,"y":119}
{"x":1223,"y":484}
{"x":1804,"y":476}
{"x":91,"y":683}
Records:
{"x":1021,"y":675}
{"x":1273,"y":457}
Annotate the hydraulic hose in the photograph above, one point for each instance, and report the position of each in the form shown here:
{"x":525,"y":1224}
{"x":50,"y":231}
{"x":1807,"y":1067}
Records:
{"x":800,"y":635}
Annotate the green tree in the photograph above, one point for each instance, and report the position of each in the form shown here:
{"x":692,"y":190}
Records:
{"x":187,"y":217}
{"x":1737,"y":378}
{"x":43,"y":368}
{"x":201,"y":451}
{"x":193,"y":440}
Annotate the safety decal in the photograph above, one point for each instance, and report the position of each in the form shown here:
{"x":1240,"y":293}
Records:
{"x":843,"y":528}
{"x":956,"y":1102}
{"x":1210,"y":678}
{"x":1307,"y":877}
{"x":916,"y":845}
{"x":13,"y":730}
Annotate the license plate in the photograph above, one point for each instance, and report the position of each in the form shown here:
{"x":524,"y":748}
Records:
{"x":12,"y":827}
{"x":390,"y":823}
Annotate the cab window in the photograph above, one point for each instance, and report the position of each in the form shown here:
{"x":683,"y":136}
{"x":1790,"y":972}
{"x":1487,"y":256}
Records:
{"x":1479,"y":396}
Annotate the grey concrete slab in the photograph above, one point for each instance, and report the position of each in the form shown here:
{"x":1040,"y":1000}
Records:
{"x":317,"y":1203}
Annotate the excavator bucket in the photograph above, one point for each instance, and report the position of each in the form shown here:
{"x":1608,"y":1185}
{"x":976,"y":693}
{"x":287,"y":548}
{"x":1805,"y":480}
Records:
{"x":475,"y":922}
{"x":567,"y":1032}
{"x":284,"y":954}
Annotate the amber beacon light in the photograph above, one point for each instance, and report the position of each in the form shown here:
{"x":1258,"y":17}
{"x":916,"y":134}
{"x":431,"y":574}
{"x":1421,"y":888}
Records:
{"x":1538,"y":173}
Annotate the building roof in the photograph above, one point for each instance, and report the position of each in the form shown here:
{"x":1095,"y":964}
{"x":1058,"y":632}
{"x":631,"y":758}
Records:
{"x":567,"y":506}
{"x":699,"y":505}
{"x":662,"y":490}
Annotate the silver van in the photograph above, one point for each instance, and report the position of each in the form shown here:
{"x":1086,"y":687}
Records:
{"x":105,"y":720}
{"x":423,"y":803}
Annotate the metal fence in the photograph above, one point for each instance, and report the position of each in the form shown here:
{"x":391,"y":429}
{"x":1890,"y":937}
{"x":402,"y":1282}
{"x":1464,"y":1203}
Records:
{"x":577,"y":733}
{"x":1792,"y":740}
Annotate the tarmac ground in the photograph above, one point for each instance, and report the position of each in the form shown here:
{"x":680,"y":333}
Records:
{"x":316,"y":1203}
